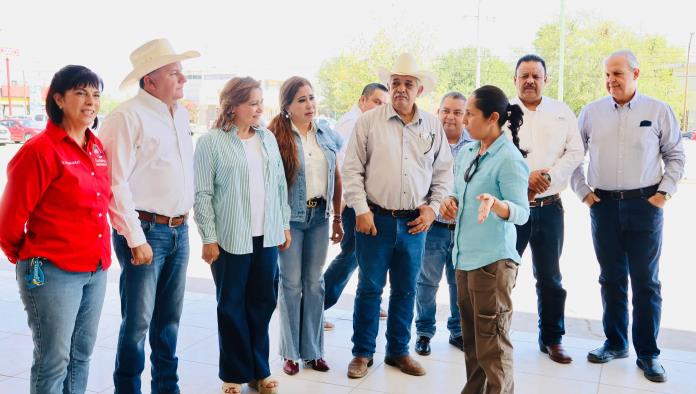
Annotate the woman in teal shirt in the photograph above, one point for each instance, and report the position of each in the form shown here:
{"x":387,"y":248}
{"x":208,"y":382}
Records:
{"x":489,"y":199}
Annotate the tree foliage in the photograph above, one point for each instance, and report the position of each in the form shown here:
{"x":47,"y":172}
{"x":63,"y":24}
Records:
{"x":456,"y":70}
{"x":588,"y":42}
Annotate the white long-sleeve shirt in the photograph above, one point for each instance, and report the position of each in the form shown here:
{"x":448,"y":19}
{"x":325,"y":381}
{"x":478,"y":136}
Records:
{"x":550,"y":136}
{"x":151,"y":161}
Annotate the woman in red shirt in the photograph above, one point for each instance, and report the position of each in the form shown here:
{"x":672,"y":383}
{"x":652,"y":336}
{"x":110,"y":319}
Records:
{"x":53,"y":227}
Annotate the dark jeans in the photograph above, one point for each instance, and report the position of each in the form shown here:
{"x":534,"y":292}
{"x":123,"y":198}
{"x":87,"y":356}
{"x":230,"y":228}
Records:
{"x":543,"y":232}
{"x":344,"y":264}
{"x":395,"y":252}
{"x":246,"y":300}
{"x":627,"y":236}
{"x":152,"y":298}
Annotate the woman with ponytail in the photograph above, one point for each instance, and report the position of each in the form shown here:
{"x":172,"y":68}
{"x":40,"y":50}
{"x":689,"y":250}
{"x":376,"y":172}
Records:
{"x":489,"y":199}
{"x":308,"y":152}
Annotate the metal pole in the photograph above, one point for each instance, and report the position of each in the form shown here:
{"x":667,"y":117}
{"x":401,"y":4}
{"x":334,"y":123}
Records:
{"x":9,"y":89}
{"x":686,"y":82}
{"x":478,"y":45}
{"x":561,"y":53}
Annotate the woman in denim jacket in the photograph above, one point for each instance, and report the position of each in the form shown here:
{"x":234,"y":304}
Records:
{"x":314,"y":185}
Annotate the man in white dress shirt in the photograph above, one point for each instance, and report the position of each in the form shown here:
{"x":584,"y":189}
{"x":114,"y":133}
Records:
{"x":149,"y":147}
{"x":550,"y":135}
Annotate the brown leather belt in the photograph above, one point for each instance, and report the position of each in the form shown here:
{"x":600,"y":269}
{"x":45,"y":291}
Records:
{"x":449,"y":226}
{"x":174,"y":221}
{"x":548,"y":200}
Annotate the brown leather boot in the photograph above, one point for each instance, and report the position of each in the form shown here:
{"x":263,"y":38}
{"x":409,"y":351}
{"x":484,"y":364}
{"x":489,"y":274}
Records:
{"x":557,"y":353}
{"x":357,"y":368}
{"x":406,"y":364}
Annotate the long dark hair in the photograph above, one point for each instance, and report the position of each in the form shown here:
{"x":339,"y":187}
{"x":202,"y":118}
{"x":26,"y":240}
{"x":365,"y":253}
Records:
{"x":491,"y":99}
{"x":281,"y":126}
{"x":70,"y":77}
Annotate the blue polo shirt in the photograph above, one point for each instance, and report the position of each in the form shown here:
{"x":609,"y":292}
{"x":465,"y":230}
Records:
{"x":503,"y":173}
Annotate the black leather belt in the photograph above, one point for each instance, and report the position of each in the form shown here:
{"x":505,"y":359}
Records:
{"x":548,"y":200}
{"x":313,"y":202}
{"x":644,"y":192}
{"x":395,"y":213}
{"x":174,"y":221}
{"x":449,"y":226}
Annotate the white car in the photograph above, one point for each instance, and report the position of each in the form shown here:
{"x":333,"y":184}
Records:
{"x":4,"y":135}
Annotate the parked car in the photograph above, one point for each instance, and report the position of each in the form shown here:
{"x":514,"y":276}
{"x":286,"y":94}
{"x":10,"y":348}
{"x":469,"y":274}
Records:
{"x":4,"y":135}
{"x":22,"y":129}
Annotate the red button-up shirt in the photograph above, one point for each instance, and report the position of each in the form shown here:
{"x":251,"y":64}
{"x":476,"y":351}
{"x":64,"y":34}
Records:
{"x":55,"y":202}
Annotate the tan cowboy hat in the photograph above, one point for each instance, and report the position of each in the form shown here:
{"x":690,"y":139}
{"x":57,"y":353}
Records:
{"x":151,"y":56}
{"x":406,"y":65}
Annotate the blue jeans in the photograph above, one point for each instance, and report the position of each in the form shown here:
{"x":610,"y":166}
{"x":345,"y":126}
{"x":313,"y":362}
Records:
{"x":342,"y":267}
{"x":438,"y":255}
{"x":395,"y":252}
{"x":151,"y":297}
{"x":627,"y":236}
{"x":543,"y":232}
{"x":63,"y":315}
{"x":301,"y":288}
{"x":245,"y":302}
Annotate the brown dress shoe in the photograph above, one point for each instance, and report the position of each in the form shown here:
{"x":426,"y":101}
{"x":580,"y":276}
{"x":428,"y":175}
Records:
{"x":557,"y":353}
{"x":406,"y":364}
{"x":357,"y":368}
{"x":291,"y":368}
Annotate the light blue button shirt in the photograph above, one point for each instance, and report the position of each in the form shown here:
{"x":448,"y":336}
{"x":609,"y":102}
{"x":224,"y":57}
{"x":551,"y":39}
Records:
{"x":503,"y":173}
{"x":628,"y":144}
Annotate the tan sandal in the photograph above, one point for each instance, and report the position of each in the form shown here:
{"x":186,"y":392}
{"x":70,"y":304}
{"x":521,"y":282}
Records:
{"x":262,"y":385}
{"x":231,"y":388}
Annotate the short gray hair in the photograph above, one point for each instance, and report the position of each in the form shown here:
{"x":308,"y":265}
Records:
{"x":453,"y":95}
{"x":628,"y":54}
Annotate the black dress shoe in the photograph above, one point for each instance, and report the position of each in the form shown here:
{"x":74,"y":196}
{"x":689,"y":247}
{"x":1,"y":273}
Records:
{"x":603,"y":354}
{"x":652,"y":369}
{"x":423,"y":346}
{"x":457,"y":342}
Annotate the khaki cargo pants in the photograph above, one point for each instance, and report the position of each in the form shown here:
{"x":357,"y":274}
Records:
{"x":485,"y":307}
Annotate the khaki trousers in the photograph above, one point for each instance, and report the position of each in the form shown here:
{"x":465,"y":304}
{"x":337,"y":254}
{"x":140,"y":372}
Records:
{"x":485,"y":306}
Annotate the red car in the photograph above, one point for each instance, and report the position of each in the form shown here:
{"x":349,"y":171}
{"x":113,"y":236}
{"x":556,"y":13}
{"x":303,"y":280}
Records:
{"x":22,"y":129}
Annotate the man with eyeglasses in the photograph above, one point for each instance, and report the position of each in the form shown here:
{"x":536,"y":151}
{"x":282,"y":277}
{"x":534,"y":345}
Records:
{"x":398,"y":168}
{"x":550,"y":135}
{"x":439,"y":243}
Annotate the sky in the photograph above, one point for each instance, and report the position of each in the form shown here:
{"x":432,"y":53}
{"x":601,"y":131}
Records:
{"x":277,"y":39}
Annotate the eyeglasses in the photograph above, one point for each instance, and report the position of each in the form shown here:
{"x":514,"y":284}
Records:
{"x":474,"y":165}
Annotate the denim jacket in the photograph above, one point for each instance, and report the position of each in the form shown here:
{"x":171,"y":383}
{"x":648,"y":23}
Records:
{"x":330,"y":143}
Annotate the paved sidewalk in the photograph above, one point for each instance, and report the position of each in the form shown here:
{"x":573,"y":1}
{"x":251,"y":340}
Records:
{"x":198,"y":355}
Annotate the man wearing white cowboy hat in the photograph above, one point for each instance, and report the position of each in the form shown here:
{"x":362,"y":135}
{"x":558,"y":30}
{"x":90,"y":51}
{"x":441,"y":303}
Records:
{"x":150,"y":152}
{"x":398,"y":168}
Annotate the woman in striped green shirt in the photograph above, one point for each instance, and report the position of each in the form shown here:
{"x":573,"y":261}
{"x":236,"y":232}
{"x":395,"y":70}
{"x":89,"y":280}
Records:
{"x":243,"y":217}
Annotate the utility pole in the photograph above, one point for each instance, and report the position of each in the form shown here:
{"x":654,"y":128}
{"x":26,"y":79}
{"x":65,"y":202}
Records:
{"x":8,"y":52}
{"x":478,"y":45}
{"x":686,"y":82}
{"x":561,"y":53}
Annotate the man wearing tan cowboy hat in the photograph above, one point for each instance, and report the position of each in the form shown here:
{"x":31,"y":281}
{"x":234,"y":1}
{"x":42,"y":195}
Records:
{"x":150,"y":152}
{"x":398,"y":168}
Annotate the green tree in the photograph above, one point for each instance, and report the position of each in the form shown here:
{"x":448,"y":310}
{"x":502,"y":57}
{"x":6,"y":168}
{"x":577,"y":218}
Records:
{"x":456,"y":71}
{"x":588,"y":42}
{"x":342,"y":78}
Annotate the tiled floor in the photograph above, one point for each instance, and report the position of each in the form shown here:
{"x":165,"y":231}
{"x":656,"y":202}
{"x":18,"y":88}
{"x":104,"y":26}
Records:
{"x":198,"y":353}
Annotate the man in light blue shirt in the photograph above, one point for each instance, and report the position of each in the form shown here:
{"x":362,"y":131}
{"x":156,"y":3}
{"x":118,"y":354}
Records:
{"x":439,"y":243}
{"x":629,"y":138}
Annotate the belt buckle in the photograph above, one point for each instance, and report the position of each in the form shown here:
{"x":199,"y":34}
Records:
{"x":169,"y":222}
{"x":311,"y":203}
{"x":394,"y":214}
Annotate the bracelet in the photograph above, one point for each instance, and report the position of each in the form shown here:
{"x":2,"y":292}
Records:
{"x":337,"y":218}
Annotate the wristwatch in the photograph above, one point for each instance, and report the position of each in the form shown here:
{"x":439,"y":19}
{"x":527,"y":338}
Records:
{"x":667,"y":195}
{"x":547,"y":176}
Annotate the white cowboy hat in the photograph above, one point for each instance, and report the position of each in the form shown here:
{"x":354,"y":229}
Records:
{"x":406,"y":65}
{"x":151,"y":56}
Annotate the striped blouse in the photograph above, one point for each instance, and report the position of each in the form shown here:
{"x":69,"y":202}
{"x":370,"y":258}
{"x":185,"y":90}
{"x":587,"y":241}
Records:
{"x":222,"y":207}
